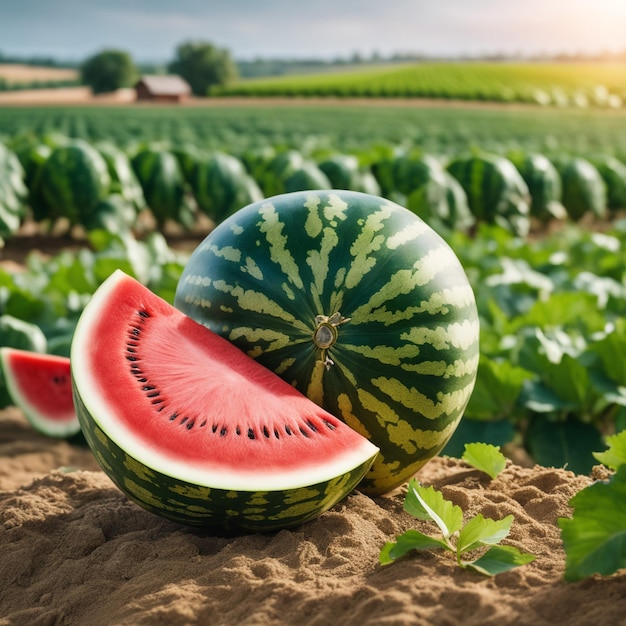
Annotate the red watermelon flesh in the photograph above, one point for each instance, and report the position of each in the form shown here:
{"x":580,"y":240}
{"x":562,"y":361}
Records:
{"x":182,"y":400}
{"x":40,"y":384}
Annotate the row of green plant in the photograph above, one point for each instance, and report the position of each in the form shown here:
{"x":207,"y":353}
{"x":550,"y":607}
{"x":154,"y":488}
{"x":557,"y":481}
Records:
{"x":575,"y":84}
{"x":102,"y":186}
{"x":552,"y":373}
{"x":355,"y":128}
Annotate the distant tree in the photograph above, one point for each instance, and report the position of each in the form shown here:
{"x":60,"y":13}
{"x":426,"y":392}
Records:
{"x":203,"y":65}
{"x":108,"y":70}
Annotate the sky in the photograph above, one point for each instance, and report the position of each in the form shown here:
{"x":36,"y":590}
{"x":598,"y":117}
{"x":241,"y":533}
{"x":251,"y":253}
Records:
{"x":150,"y":30}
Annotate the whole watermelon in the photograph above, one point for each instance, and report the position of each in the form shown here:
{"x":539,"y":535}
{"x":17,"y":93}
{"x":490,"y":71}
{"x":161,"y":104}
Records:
{"x":221,"y":185}
{"x":345,"y":172}
{"x":278,"y":169}
{"x":496,"y":192}
{"x":33,"y":159}
{"x":544,"y":183}
{"x":584,"y":191}
{"x":342,"y":171}
{"x":123,"y":179}
{"x":74,"y":179}
{"x":162,"y":182}
{"x":114,"y":214}
{"x":356,"y":302}
{"x":613,"y":172}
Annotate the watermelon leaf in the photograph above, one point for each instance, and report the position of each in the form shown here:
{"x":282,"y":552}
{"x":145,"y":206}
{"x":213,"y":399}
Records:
{"x":498,"y":387}
{"x":470,"y":430}
{"x":499,"y":559}
{"x":485,"y":457}
{"x":594,"y":538}
{"x":616,"y":453}
{"x":425,"y":503}
{"x":407,"y":541}
{"x":480,"y":531}
{"x":565,"y":443}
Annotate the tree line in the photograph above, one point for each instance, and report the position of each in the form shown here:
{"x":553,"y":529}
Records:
{"x":202,"y":64}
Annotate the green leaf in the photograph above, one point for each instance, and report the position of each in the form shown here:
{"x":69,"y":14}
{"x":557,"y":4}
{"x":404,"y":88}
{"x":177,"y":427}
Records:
{"x":569,"y":443}
{"x":470,"y":430}
{"x":560,"y":309}
{"x":480,"y":531}
{"x":499,"y":559}
{"x":594,"y":538}
{"x":615,"y":456}
{"x":541,"y":399}
{"x":410,"y":540}
{"x":612,"y":352}
{"x":485,"y":457}
{"x":426,"y":503}
{"x":620,"y":418}
{"x":498,"y":386}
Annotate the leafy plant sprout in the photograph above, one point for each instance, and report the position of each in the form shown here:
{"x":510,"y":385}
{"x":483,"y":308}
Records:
{"x":426,"y":503}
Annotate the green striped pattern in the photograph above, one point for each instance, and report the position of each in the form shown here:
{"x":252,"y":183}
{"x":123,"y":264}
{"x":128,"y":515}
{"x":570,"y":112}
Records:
{"x":74,"y":179}
{"x":284,"y":277}
{"x":162,"y":182}
{"x":208,"y":507}
{"x":221,"y":185}
{"x":584,"y":190}
{"x":544,"y":185}
{"x":496,"y":191}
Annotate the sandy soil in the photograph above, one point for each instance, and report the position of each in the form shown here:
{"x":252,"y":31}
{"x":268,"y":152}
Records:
{"x":76,"y":551}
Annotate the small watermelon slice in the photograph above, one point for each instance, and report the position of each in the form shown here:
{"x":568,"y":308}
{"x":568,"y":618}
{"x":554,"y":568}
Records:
{"x":40,"y":385}
{"x":193,"y":429}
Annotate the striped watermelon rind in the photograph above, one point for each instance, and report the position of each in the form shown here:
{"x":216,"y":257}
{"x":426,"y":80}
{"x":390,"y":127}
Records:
{"x":162,"y":182}
{"x":356,"y":302}
{"x":221,"y":185}
{"x":496,"y":191}
{"x":74,"y":179}
{"x":210,"y":507}
{"x":584,"y":190}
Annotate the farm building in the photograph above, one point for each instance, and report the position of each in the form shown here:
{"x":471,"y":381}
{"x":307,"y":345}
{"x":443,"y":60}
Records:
{"x":167,"y":88}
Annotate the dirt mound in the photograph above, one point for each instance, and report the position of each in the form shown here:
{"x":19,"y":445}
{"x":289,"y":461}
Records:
{"x":75,"y":550}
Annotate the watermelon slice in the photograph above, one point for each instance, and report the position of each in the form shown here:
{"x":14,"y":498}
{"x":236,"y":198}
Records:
{"x":40,"y":385}
{"x":193,"y":429}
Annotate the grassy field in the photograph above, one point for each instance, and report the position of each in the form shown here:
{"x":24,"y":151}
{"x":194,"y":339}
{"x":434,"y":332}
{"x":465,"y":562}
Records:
{"x":580,"y":84}
{"x":343,"y":127}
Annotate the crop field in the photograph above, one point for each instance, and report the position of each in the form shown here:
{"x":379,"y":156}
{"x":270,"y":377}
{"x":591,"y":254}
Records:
{"x":576,"y":84}
{"x":348,"y":127}
{"x":531,"y":200}
{"x":17,"y":73}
